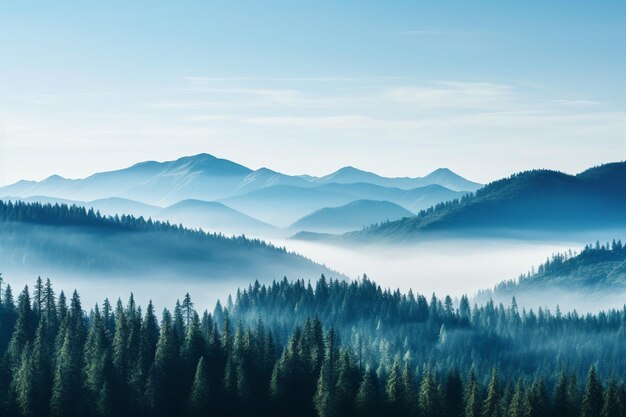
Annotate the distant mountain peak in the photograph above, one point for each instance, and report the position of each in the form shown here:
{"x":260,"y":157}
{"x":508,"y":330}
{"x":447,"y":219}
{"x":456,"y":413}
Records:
{"x":209,"y":164}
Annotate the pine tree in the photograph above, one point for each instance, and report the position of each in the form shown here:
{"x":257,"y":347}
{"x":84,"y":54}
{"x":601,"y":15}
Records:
{"x":367,"y":402}
{"x":38,"y":297}
{"x":24,"y":383}
{"x":538,"y":400}
{"x":50,"y":313}
{"x":472,"y":400}
{"x":199,"y":400}
{"x":23,"y":331}
{"x":429,"y":404}
{"x":562,"y":403}
{"x":344,"y":388}
{"x":491,"y":405}
{"x":612,"y":406}
{"x":324,"y":399}
{"x":161,"y":397}
{"x":519,"y":405}
{"x":99,"y":370}
{"x":120,"y":360}
{"x":453,"y":399}
{"x":149,"y":339}
{"x":193,"y":348}
{"x":592,"y":401}
{"x":187,"y":309}
{"x":67,"y":391}
{"x":394,"y":391}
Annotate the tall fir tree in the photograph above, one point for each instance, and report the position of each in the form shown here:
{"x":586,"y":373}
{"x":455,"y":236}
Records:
{"x":592,"y":400}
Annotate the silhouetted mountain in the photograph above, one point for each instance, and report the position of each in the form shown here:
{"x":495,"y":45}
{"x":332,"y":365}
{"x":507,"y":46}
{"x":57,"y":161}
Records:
{"x":526,"y":203}
{"x":58,"y":239}
{"x":282,"y":205}
{"x":441,"y":176}
{"x":351,"y":216}
{"x":265,"y":177}
{"x":204,"y":177}
{"x":214,"y":217}
{"x":414,"y":200}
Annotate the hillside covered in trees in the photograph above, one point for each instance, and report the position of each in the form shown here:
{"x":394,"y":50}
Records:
{"x":44,"y":238}
{"x":597,"y":274}
{"x":525,"y":204}
{"x":328,"y":349}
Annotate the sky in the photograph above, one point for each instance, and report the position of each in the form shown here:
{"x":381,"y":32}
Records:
{"x":396,"y":87}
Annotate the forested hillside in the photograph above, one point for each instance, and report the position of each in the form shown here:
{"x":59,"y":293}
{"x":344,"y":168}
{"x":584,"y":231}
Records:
{"x":36,"y":238}
{"x":328,"y":349}
{"x":596,"y":274}
{"x":525,"y":204}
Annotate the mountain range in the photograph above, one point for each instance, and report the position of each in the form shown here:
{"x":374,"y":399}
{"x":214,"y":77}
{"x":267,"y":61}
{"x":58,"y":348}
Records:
{"x":147,"y":188}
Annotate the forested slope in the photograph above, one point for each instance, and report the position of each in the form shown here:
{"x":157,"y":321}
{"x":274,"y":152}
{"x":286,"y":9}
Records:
{"x":56,"y":238}
{"x":597,"y":275}
{"x":525,"y":204}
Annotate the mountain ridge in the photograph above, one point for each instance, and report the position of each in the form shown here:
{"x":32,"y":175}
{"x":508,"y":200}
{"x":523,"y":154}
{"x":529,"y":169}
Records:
{"x":202,"y":176}
{"x":531,"y":201}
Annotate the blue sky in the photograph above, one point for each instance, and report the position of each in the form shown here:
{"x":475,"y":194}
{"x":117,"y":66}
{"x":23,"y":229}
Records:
{"x":397,"y":87}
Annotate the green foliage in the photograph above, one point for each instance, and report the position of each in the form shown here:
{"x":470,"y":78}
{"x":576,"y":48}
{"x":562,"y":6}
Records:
{"x":62,"y":362}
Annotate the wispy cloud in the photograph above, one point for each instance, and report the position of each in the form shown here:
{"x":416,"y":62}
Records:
{"x":453,"y":95}
{"x":211,"y":117}
{"x":570,"y":102}
{"x":330,"y":122}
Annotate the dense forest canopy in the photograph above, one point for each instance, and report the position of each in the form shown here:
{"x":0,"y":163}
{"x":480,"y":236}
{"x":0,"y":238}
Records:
{"x":331,"y":348}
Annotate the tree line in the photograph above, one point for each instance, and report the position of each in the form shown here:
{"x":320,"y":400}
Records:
{"x":251,"y":358}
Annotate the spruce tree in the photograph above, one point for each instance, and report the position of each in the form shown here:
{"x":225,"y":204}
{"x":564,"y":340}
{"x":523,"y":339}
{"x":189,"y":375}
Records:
{"x":429,"y":404}
{"x":199,"y":400}
{"x":453,"y":399}
{"x":538,"y":400}
{"x":24,"y":383}
{"x":67,"y":391}
{"x":99,"y":369}
{"x":491,"y":405}
{"x":518,"y":406}
{"x":24,"y":330}
{"x":162,"y":397}
{"x":592,"y":401}
{"x":472,"y":396}
{"x":367,"y":402}
{"x":120,"y":359}
{"x":612,"y":406}
{"x":394,"y":391}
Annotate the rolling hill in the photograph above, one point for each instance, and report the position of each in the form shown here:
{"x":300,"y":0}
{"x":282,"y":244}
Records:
{"x":282,"y":205}
{"x":214,"y":217}
{"x":595,"y":276}
{"x":351,"y":216}
{"x":70,"y":240}
{"x":528,"y":203}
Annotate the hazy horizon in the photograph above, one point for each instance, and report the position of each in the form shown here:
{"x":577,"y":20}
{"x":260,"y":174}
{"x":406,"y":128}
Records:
{"x":485,"y":90}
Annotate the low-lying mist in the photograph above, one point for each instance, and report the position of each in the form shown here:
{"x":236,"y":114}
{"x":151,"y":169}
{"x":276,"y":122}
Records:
{"x":456,"y":267}
{"x":450,"y":266}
